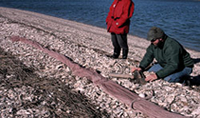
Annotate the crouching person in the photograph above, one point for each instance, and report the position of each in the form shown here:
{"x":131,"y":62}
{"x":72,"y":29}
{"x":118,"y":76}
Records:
{"x":174,"y":63}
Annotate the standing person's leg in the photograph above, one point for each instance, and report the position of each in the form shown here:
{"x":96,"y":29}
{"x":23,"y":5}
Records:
{"x":122,"y":40}
{"x":116,"y":45}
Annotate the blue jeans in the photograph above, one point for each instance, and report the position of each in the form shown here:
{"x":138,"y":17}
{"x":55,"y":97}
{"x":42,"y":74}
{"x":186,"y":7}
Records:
{"x":175,"y":77}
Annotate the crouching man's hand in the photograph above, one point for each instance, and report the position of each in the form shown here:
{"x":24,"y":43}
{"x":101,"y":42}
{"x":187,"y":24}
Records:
{"x":151,"y":77}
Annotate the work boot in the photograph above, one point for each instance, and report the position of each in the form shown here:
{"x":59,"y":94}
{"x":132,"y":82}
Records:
{"x":125,"y":53}
{"x":124,"y":57}
{"x":115,"y":55}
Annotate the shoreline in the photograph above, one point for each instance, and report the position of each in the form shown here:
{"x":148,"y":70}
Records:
{"x":142,"y":36}
{"x":132,"y":40}
{"x":88,"y":46}
{"x":90,"y":36}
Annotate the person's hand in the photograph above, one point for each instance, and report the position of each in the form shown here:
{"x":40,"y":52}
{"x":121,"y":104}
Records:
{"x":132,"y":69}
{"x":151,"y":77}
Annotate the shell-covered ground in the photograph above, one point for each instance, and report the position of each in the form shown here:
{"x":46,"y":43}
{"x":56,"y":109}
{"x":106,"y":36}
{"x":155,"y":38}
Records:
{"x":33,"y":84}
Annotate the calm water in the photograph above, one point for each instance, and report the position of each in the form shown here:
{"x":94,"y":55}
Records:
{"x":180,"y":19}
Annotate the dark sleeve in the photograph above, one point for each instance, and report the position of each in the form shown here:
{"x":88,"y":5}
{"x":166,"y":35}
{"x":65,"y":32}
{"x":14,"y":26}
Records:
{"x":173,"y":59}
{"x":148,"y":57}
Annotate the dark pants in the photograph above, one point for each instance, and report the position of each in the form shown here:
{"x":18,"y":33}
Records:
{"x":120,"y":41}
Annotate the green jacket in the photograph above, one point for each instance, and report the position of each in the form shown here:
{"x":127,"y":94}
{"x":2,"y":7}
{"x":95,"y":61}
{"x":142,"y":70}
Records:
{"x":171,"y":56}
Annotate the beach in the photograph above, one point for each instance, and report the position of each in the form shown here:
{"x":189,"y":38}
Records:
{"x":90,"y":47}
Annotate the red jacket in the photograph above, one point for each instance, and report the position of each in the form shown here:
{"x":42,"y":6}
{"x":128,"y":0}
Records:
{"x":118,"y":19}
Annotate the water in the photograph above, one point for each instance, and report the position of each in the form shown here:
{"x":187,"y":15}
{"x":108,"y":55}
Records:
{"x":179,"y":19}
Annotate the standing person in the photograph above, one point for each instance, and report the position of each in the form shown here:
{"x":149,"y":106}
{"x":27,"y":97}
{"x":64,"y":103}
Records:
{"x":174,"y":62}
{"x":118,"y":22}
